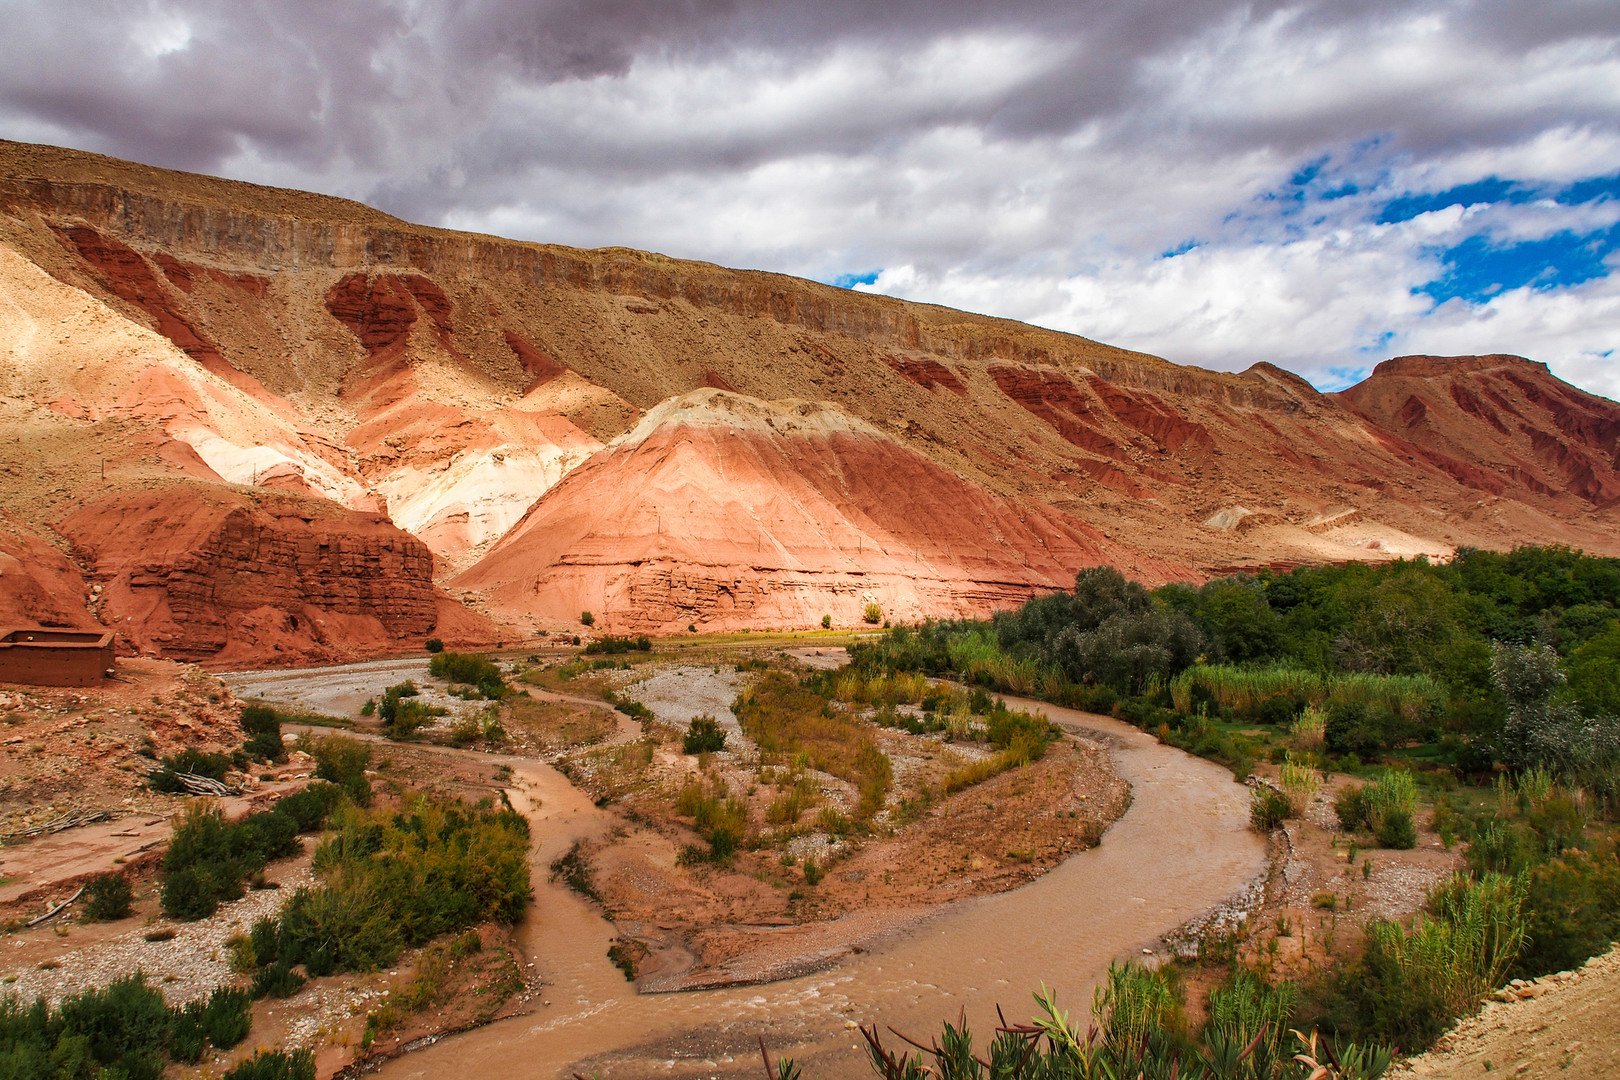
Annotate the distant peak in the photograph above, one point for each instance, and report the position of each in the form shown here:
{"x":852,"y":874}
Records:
{"x":1429,"y":366}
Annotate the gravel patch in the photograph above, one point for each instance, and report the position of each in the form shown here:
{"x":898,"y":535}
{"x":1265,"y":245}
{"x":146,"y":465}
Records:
{"x":677,"y":694}
{"x":190,"y":965}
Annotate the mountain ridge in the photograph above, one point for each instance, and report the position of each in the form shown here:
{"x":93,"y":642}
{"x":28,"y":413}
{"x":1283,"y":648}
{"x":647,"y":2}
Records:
{"x":163,"y":327}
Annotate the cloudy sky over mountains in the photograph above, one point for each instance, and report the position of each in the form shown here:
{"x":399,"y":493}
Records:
{"x":1320,"y":183}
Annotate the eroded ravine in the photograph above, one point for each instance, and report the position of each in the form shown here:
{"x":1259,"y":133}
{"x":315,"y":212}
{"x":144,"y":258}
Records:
{"x":1182,"y":848}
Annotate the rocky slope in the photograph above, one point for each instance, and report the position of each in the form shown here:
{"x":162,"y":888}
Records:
{"x":534,"y":416}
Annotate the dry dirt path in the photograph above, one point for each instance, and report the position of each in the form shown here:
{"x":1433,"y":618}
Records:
{"x":48,"y":864}
{"x":1183,"y":848}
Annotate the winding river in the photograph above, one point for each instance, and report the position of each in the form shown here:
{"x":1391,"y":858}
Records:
{"x":1182,"y":848}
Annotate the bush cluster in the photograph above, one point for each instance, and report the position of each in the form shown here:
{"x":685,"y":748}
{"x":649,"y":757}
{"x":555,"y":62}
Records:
{"x":611,"y":645}
{"x":396,"y":880}
{"x":275,"y":1065}
{"x":1388,"y":655}
{"x":107,"y":897}
{"x":262,"y":726}
{"x":209,"y":858}
{"x":470,"y":669}
{"x":402,"y":714}
{"x":719,"y":817}
{"x":124,"y":1029}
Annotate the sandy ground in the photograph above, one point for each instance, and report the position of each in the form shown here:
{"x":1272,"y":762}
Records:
{"x":1560,"y":1025}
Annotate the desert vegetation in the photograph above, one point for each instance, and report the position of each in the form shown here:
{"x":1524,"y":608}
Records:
{"x":124,"y":1029}
{"x":1478,"y":695}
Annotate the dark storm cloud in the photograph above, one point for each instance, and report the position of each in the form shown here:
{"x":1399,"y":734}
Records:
{"x":1034,"y":158}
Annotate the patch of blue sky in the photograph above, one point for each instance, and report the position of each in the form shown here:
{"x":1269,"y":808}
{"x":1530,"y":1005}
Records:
{"x":1337,"y":378}
{"x":1379,"y":344}
{"x":1496,"y":189}
{"x":849,"y":281}
{"x":1590,"y":190}
{"x":1180,"y":249}
{"x":1492,"y":189}
{"x":1478,"y":269}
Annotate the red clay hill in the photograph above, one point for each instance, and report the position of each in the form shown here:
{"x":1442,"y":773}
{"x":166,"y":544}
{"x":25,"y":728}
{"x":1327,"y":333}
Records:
{"x":251,"y":425}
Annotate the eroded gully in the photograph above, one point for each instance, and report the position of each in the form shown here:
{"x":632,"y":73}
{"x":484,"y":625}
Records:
{"x":1182,"y":848}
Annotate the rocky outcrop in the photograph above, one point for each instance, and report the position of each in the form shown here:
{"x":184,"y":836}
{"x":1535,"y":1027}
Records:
{"x":191,"y":574}
{"x":39,"y":585}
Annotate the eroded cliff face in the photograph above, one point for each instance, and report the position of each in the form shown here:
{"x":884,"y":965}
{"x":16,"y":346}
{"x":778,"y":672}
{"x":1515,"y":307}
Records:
{"x":200,"y":575}
{"x":526,"y":412}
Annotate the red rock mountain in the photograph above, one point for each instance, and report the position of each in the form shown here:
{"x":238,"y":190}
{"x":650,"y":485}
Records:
{"x":250,"y":424}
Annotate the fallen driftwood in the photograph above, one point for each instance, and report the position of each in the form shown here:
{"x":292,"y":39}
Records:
{"x":55,"y":825}
{"x":205,"y":785}
{"x":57,"y":910}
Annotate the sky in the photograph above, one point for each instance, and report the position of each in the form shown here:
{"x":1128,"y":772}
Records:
{"x":1320,"y":184}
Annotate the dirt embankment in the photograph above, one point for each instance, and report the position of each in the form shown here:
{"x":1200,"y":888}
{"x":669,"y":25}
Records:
{"x":1559,"y":1025}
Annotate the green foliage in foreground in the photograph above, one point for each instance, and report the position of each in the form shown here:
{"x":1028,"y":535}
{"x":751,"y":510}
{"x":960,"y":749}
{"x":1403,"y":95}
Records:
{"x":123,"y":1030}
{"x":1138,"y":1029}
{"x":397,"y":880}
{"x":1413,"y":982}
{"x":275,"y":1065}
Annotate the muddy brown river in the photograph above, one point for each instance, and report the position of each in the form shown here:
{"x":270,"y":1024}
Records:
{"x":1182,"y":848}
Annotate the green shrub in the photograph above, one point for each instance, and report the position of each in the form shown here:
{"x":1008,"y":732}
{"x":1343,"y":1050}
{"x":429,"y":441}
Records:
{"x":124,"y":1024}
{"x":401,"y":715}
{"x":1268,"y":807}
{"x":1397,"y":831}
{"x":434,"y":645}
{"x":586,"y":619}
{"x":611,"y":645}
{"x":107,"y":897}
{"x":342,"y":761}
{"x":275,"y":1065}
{"x":873,"y":614}
{"x":393,"y":880}
{"x":1412,"y":983}
{"x":1574,"y":906}
{"x":470,"y":669}
{"x":263,"y":729}
{"x":278,"y":980}
{"x":209,"y":858}
{"x":263,"y":941}
{"x":703,"y":735}
{"x":345,"y":925}
{"x":227,"y":1017}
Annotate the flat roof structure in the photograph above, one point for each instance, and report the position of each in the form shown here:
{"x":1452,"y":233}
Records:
{"x":44,"y":656}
